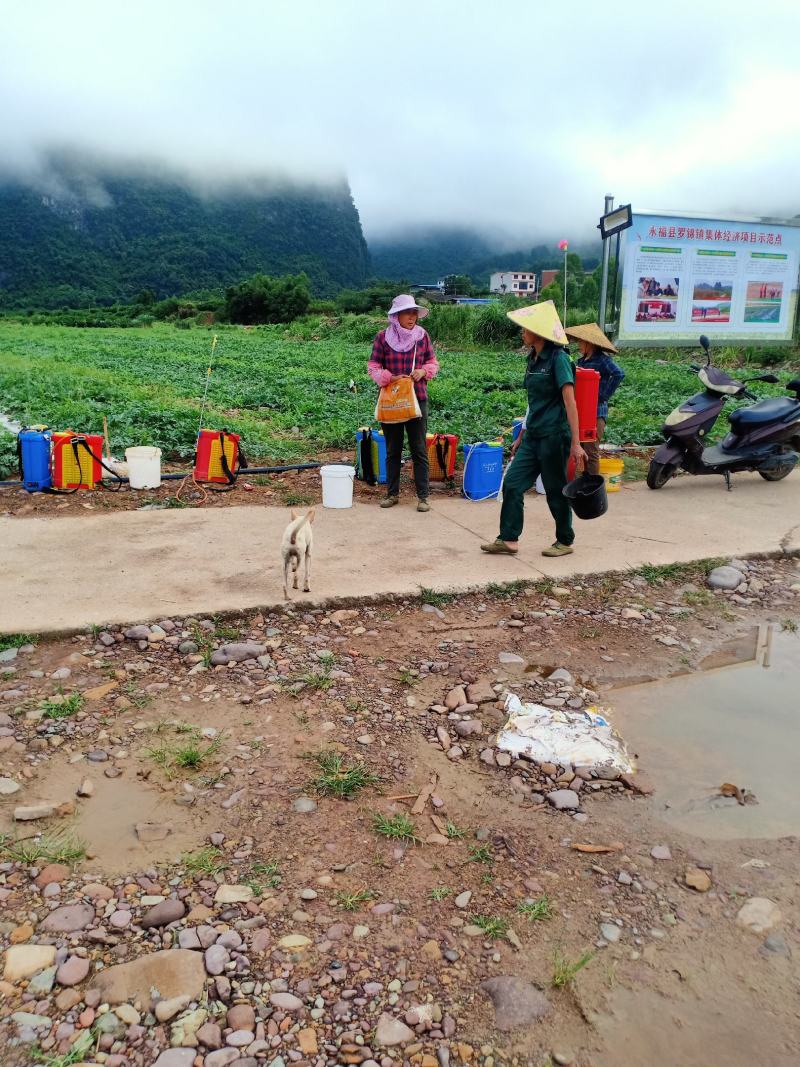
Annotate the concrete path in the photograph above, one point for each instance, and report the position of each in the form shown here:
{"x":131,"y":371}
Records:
{"x":66,"y":573}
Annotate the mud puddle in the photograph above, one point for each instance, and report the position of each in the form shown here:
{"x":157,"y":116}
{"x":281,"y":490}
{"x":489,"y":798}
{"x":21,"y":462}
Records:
{"x":735,"y":721}
{"x":106,"y":822}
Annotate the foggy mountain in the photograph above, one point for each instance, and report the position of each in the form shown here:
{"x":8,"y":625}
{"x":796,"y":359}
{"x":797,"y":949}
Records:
{"x":81,"y":232}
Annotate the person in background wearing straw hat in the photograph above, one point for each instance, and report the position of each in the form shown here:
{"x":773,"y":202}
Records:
{"x":403,"y":349}
{"x":550,"y":435}
{"x":594,"y":347}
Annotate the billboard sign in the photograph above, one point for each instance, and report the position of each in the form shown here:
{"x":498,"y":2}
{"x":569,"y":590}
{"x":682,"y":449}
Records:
{"x":734,"y":280}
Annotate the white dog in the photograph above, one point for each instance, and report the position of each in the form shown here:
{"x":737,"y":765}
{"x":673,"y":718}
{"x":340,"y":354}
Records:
{"x":298,"y":540}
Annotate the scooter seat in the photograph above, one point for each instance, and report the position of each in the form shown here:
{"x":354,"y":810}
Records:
{"x":764,"y":411}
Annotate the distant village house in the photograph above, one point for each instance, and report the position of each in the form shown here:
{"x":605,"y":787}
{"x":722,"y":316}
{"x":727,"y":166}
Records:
{"x":519,"y":282}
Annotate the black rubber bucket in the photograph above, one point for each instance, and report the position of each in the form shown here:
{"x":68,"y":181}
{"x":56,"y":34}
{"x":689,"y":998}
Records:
{"x":587,"y":496}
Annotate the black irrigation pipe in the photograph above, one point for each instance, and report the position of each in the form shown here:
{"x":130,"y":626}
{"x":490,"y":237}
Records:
{"x":244,"y":473}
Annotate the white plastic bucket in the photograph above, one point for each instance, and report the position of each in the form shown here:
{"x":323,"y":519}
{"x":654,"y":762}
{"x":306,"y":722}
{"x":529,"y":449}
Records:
{"x":337,"y":485}
{"x":144,"y":467}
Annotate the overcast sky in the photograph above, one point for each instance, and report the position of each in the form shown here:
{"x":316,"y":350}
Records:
{"x":511,"y":116}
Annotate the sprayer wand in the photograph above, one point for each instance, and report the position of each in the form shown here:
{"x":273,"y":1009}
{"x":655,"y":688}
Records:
{"x":208,"y":380}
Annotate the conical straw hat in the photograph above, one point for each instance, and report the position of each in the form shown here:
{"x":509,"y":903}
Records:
{"x":592,"y":333}
{"x":541,"y":319}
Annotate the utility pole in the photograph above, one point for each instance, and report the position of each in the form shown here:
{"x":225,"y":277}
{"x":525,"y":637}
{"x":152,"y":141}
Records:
{"x":604,"y":270}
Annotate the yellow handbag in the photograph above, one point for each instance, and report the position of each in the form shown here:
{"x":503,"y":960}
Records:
{"x":397,"y":401}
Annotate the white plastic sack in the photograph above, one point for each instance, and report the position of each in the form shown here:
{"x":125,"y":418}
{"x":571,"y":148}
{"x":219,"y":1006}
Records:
{"x":552,"y":735}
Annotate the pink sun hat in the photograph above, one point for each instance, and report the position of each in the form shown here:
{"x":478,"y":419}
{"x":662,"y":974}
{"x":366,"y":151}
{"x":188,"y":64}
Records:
{"x":406,"y":302}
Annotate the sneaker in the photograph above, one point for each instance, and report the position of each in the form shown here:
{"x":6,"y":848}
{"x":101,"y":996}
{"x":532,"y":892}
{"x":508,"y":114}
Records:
{"x":390,"y":501}
{"x":423,"y":505}
{"x":557,"y":549}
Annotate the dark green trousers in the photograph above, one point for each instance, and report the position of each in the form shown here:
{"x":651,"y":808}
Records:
{"x":547,"y":456}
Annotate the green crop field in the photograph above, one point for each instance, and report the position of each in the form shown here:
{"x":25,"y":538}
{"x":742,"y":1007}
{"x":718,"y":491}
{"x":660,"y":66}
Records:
{"x":290,"y":399}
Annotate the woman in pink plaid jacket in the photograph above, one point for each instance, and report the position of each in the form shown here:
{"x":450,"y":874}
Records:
{"x":404,"y":349}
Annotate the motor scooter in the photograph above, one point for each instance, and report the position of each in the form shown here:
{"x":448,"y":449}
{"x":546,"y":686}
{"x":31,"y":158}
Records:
{"x":764,"y":437}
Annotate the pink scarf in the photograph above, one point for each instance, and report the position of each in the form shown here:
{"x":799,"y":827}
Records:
{"x":399,"y":339}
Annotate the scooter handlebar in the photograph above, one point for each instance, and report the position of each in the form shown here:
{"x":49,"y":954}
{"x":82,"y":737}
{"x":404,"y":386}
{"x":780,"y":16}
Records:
{"x":694,"y":367}
{"x":748,"y":394}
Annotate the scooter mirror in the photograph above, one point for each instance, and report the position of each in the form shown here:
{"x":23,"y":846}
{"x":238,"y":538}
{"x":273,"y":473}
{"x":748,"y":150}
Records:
{"x":769,"y":378}
{"x":704,"y":342}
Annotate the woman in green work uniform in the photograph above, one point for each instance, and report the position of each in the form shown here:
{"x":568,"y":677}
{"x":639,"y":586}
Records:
{"x":550,"y":435}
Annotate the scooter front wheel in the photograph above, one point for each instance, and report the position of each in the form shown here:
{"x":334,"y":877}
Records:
{"x":658,"y":474}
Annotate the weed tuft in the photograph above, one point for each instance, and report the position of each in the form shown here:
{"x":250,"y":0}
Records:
{"x":62,"y":709}
{"x":396,"y":828}
{"x":492,"y":925}
{"x":539,"y":910}
{"x":355,"y":900}
{"x":565,"y":970}
{"x":206,"y":861}
{"x":338,"y":779}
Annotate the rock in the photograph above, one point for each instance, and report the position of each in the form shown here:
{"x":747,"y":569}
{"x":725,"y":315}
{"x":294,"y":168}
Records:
{"x":210,"y":1035}
{"x":661,"y":852}
{"x":241,"y":1017}
{"x":168,"y":1009}
{"x":237,"y":652}
{"x":128,"y":1014}
{"x":137,"y":633}
{"x":758,"y":914}
{"x":776,"y":945}
{"x":171,"y":972}
{"x":53,"y":872}
{"x":481,"y":692}
{"x":286,"y":1001}
{"x":610,"y":931}
{"x":148,"y":832}
{"x":391,"y":1031}
{"x":564,"y":799}
{"x":632,"y":614}
{"x":188,"y":648}
{"x":120,"y":919}
{"x":22,"y":961}
{"x":469,"y":728}
{"x":176,"y":1057}
{"x":304,"y":805}
{"x":697,"y":879}
{"x":294,"y":942}
{"x":8,"y":655}
{"x":221,"y":1058}
{"x":307,"y":1040}
{"x":240,"y":1039}
{"x":168,"y":911}
{"x":511,"y":658}
{"x":68,"y":919}
{"x":73,"y":970}
{"x":455,"y":698}
{"x":8,"y":787}
{"x":233,"y":894}
{"x":561,"y":675}
{"x":487,"y":757}
{"x":31,"y":812}
{"x":216,"y":958}
{"x":463,"y":899}
{"x":99,"y":692}
{"x":516,"y":1002}
{"x":86,"y":788}
{"x":42,"y":983}
{"x":725,"y":578}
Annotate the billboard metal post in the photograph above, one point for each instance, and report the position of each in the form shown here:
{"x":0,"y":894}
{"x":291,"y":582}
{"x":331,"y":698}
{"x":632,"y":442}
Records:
{"x":604,"y":271}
